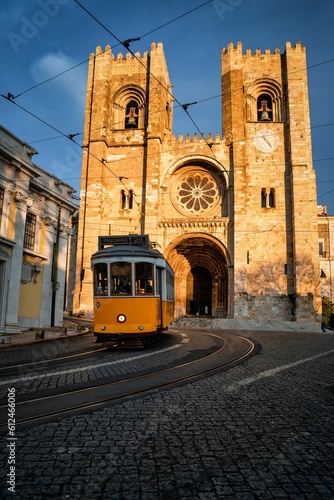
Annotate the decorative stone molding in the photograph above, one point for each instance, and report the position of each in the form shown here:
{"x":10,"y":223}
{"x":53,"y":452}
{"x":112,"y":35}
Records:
{"x":18,"y":196}
{"x":22,"y":198}
{"x":26,"y":272}
{"x":4,"y":252}
{"x":48,"y":221}
{"x":65,"y":228}
{"x":193,"y":224}
{"x":195,"y":191}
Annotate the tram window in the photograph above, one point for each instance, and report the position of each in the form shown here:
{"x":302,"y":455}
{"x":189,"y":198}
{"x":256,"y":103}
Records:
{"x":120,"y":277}
{"x":158,"y":282}
{"x":170,"y":285}
{"x":144,"y":277}
{"x":101,"y":279}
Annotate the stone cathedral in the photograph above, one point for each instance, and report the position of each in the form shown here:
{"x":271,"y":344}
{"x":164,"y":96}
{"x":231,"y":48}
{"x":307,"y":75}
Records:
{"x":236,"y":214}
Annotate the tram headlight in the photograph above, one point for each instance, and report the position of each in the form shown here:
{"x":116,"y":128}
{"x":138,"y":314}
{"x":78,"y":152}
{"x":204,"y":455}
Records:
{"x":97,"y":305}
{"x":121,"y":318}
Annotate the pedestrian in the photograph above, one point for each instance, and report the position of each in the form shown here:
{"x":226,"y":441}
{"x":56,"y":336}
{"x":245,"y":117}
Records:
{"x":323,"y":324}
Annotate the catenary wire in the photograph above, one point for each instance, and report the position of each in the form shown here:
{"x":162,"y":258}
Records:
{"x":71,"y":136}
{"x":87,"y":60}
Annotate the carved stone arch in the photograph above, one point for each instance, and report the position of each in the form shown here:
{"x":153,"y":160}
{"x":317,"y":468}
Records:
{"x":211,"y":163}
{"x":270,"y":91}
{"x":198,"y":186}
{"x":129,"y":95}
{"x":205,"y":258}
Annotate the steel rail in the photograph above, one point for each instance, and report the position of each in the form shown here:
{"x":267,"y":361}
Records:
{"x":7,"y":370}
{"x":100,"y":395}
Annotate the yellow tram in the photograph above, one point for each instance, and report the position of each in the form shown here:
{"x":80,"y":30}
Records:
{"x":133,"y":289}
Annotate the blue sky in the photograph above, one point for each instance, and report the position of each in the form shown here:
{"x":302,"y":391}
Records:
{"x":42,"y":38}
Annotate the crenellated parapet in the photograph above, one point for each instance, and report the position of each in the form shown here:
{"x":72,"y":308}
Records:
{"x":156,"y":48}
{"x":198,"y":140}
{"x":237,"y":50}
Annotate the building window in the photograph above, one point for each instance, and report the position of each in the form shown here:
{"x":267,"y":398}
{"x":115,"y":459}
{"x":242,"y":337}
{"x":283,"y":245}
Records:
{"x":322,"y":249}
{"x":264,"y":108}
{"x":131,"y":115}
{"x":29,"y":232}
{"x":264,"y":101}
{"x":268,"y":198}
{"x":123,"y":117}
{"x":130,"y":199}
{"x":2,"y":195}
{"x":196,"y":191}
{"x":263,"y":198}
{"x":123,"y":199}
{"x":272,"y":198}
{"x":127,"y":199}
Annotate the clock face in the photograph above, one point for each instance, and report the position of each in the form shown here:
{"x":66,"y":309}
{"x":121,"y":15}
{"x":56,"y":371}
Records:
{"x":266,"y":140}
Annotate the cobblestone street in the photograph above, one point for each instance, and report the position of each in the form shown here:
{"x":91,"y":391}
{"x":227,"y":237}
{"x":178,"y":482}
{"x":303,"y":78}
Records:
{"x":261,"y":430}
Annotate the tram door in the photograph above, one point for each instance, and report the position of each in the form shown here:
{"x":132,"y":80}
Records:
{"x":159,"y":293}
{"x":199,"y":291}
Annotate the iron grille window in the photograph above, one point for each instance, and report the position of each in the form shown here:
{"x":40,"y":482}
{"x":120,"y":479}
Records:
{"x":29,"y":232}
{"x":2,"y":195}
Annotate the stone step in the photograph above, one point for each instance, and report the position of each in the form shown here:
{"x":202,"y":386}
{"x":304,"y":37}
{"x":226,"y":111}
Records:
{"x":244,"y":324}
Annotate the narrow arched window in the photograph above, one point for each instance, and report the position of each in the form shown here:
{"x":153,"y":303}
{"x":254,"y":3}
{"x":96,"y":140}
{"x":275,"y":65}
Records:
{"x":272,"y":198}
{"x":264,"y":108}
{"x":130,"y":199}
{"x":123,"y":199}
{"x":263,"y":198}
{"x":268,"y":198}
{"x":131,"y":115}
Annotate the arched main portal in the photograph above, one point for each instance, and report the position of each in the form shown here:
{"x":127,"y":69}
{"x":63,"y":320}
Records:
{"x":199,"y":291}
{"x":200,"y":263}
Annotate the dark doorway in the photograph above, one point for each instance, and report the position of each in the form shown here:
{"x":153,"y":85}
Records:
{"x":199,"y":291}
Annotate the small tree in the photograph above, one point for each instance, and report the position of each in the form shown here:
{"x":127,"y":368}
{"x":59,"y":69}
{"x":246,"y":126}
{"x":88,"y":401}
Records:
{"x":326,"y":308}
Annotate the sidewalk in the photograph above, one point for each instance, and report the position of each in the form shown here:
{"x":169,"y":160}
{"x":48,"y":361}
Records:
{"x":35,"y":335}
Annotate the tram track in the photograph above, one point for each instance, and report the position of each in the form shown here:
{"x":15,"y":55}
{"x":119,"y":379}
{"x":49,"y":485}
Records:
{"x":232,"y":350}
{"x":39,"y":365}
{"x":100,"y":352}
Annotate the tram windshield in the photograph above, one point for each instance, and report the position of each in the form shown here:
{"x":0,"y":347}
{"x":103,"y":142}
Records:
{"x":144,"y":277}
{"x":101,"y":279}
{"x":120,"y":278}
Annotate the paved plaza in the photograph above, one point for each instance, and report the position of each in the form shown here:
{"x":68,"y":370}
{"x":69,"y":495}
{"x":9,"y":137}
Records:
{"x":263,"y":429}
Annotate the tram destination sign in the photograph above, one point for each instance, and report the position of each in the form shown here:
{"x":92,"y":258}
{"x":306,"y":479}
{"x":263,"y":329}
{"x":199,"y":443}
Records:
{"x":127,"y":239}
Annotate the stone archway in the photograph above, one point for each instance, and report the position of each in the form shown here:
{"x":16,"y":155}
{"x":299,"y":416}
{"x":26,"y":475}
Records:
{"x":199,"y":291}
{"x":200,"y":263}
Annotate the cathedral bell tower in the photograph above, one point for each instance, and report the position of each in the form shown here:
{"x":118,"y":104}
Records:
{"x":128,"y":116}
{"x":266,"y":122}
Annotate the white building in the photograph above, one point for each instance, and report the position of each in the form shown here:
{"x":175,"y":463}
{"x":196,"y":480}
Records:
{"x":35,"y":226}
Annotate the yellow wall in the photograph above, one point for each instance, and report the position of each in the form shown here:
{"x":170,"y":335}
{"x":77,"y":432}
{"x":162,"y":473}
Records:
{"x":11,"y":219}
{"x":30,"y":298}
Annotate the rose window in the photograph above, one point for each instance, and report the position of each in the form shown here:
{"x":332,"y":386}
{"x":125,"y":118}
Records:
{"x":196,"y":192}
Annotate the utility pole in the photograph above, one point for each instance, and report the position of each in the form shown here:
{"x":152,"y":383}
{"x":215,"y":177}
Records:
{"x":54,"y":279}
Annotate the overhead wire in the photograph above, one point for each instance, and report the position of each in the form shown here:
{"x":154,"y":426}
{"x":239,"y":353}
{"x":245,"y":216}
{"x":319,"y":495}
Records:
{"x":126,"y":45}
{"x":119,"y":43}
{"x":71,"y":136}
{"x":10,"y":97}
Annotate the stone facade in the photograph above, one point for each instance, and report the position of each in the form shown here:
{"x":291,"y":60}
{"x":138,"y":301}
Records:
{"x":35,"y":227}
{"x":326,"y":252}
{"x":236,"y":216}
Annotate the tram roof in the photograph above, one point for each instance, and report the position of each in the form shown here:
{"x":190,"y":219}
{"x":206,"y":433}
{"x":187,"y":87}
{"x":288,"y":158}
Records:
{"x":128,"y":251}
